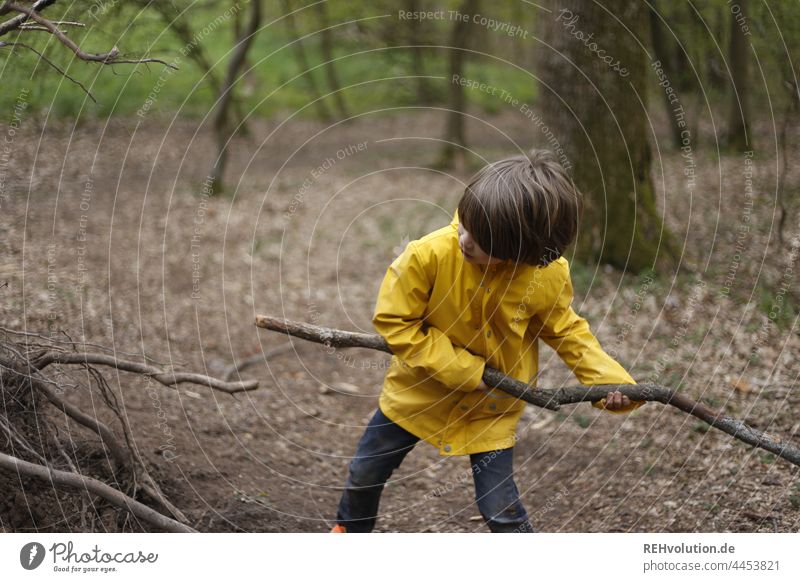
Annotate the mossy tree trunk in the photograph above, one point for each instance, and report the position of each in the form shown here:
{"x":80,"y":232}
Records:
{"x":593,"y":96}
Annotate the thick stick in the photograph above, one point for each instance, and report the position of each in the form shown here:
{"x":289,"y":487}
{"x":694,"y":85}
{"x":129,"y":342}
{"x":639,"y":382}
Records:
{"x":84,"y":483}
{"x":553,"y":399}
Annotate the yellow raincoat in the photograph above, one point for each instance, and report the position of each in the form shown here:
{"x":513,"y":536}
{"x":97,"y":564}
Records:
{"x":445,"y":318}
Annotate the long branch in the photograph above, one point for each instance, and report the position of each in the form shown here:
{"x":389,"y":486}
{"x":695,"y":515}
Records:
{"x":553,"y":399}
{"x":166,"y":378}
{"x":84,"y":483}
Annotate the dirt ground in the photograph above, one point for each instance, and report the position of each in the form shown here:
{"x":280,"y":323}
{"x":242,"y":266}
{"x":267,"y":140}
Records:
{"x":107,"y":235}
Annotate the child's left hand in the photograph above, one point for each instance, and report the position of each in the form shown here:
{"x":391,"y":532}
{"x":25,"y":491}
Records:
{"x":617,"y":401}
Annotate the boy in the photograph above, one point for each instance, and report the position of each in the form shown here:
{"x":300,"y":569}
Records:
{"x":478,"y":292}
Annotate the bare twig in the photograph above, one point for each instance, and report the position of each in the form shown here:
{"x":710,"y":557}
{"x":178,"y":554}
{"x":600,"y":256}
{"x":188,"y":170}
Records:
{"x":51,"y":340}
{"x":52,"y":64}
{"x":68,"y":23}
{"x":110,"y":57}
{"x":15,"y":22}
{"x":149,"y":485}
{"x":554,"y":399}
{"x":12,"y":435}
{"x":84,"y":483}
{"x":164,"y":377}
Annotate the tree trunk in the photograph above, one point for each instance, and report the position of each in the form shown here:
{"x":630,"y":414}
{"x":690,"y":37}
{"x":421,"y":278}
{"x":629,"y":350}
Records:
{"x":220,"y":120}
{"x":739,"y":120}
{"x":414,"y":28}
{"x":326,"y":46}
{"x":789,"y":115}
{"x":594,"y":98}
{"x":455,"y":139}
{"x":302,"y":62}
{"x":663,"y":54}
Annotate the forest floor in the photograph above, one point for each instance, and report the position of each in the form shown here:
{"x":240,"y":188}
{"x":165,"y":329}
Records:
{"x":107,"y":235}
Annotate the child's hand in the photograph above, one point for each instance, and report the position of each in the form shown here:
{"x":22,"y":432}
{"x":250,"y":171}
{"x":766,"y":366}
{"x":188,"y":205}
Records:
{"x":617,"y":401}
{"x":483,"y":387}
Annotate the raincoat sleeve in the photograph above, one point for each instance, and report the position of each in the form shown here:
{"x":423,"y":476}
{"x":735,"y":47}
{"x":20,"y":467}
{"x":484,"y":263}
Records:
{"x":399,"y":312}
{"x":569,"y":335}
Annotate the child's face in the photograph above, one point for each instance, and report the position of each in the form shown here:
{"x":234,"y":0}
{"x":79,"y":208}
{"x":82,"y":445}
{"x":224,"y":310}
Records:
{"x":471,"y":251}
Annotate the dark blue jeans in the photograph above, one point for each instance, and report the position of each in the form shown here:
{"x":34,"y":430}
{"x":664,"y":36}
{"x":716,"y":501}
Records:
{"x":383,"y":447}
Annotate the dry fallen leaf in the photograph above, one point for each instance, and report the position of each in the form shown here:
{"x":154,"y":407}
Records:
{"x":347,"y":388}
{"x":741,"y":385}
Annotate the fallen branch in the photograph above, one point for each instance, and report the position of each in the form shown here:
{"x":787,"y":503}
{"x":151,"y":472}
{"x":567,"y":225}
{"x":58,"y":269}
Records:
{"x":166,"y":378}
{"x":84,"y":483}
{"x":554,"y":399}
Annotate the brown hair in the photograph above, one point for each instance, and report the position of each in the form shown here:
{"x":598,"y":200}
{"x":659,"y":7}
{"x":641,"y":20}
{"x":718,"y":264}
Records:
{"x":525,"y":209}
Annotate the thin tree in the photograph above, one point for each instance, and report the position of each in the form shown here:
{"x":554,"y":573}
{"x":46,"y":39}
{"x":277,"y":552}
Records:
{"x":739,"y":117}
{"x":302,"y":62}
{"x":415,"y":39}
{"x":595,"y":103}
{"x":454,"y":135}
{"x":220,"y":122}
{"x":326,"y":47}
{"x":662,"y":47}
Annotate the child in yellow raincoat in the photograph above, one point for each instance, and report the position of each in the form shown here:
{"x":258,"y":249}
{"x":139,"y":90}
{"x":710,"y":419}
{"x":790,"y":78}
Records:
{"x":481,"y":291}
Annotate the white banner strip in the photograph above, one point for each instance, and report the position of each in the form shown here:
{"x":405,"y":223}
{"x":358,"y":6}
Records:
{"x":401,"y":557}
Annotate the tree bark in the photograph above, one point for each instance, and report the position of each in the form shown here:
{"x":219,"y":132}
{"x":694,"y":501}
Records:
{"x":554,"y":399}
{"x":594,"y":98}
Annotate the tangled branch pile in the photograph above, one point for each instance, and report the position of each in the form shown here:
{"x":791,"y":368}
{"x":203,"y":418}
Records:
{"x":61,"y":478}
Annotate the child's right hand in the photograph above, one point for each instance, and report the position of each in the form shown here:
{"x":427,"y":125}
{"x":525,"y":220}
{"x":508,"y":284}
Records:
{"x":616,"y":400}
